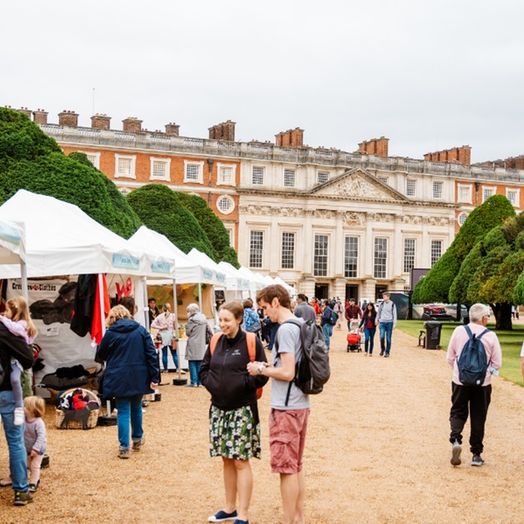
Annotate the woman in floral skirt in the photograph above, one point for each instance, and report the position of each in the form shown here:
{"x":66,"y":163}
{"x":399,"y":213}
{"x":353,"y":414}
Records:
{"x":234,"y":427}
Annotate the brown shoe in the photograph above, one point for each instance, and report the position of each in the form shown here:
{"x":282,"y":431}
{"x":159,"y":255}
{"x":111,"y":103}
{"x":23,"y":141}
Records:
{"x":137,"y":445}
{"x":123,"y":453}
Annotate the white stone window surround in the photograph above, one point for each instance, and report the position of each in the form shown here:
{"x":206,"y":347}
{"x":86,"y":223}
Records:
{"x":225,"y":204}
{"x":437,"y":189}
{"x":224,"y":179}
{"x":516,"y":201}
{"x":411,"y":187}
{"x":321,"y":253}
{"x":288,"y":243}
{"x":194,"y":171}
{"x":488,"y":191}
{"x":289,"y":177}
{"x":381,"y":245}
{"x":257,"y":175}
{"x":462,"y":218}
{"x":464,"y":193}
{"x":155,"y":162}
{"x":125,"y":166}
{"x":322,"y":177}
{"x":93,"y":157}
{"x":256,"y":247}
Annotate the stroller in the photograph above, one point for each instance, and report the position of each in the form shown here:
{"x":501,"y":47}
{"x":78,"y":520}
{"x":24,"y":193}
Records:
{"x":354,"y":338}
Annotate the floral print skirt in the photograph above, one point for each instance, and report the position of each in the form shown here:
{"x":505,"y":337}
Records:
{"x":233,"y":434}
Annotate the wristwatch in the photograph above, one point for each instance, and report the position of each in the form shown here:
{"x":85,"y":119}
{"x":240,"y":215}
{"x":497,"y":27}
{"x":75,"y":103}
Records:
{"x":261,"y":367}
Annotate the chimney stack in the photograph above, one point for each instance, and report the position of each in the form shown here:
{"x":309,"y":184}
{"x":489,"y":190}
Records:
{"x":40,"y":117}
{"x":290,"y":138}
{"x":375,"y":146}
{"x":132,"y":125}
{"x":101,"y":121}
{"x":27,"y":112}
{"x":223,"y":131}
{"x":172,"y":129}
{"x":455,"y":155}
{"x":68,"y":118}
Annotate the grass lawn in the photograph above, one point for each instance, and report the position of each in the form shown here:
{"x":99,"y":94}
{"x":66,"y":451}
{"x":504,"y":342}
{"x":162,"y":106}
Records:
{"x":511,"y":342}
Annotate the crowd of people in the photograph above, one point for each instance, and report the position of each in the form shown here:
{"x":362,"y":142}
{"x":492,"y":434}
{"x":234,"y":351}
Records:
{"x":232,"y":365}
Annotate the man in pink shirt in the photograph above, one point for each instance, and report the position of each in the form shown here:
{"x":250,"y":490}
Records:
{"x":473,"y":398}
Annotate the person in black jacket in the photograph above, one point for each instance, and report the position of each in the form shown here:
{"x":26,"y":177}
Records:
{"x":234,"y":423}
{"x":369,"y":325}
{"x":132,"y":370}
{"x":15,"y":347}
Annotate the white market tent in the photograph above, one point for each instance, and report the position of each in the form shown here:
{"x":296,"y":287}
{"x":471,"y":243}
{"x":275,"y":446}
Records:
{"x":237,"y":285}
{"x":204,"y":260}
{"x":11,"y":243}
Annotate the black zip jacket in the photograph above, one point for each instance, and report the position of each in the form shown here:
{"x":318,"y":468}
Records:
{"x":225,"y":374}
{"x":12,"y":346}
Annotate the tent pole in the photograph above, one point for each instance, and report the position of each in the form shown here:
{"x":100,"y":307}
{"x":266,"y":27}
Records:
{"x":175,"y":311}
{"x":23,"y":275}
{"x":146,"y":304}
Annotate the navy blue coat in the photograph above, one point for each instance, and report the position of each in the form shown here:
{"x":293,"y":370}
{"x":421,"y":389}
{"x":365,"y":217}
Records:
{"x":131,"y":360}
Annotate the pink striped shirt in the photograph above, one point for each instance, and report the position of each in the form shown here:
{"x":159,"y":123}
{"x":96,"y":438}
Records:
{"x":491,"y":344}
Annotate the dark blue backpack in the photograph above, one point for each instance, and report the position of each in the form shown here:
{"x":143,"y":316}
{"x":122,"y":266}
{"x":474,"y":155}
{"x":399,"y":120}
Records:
{"x":473,"y":361}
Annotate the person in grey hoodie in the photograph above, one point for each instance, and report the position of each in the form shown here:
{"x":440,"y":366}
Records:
{"x":386,"y":320}
{"x":197,"y":341}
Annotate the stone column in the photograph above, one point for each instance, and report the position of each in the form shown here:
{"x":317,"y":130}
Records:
{"x":339,"y":288}
{"x":368,"y":288}
{"x":308,"y":245}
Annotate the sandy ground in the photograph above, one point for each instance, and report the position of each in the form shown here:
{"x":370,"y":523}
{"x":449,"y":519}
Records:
{"x":377,"y":451}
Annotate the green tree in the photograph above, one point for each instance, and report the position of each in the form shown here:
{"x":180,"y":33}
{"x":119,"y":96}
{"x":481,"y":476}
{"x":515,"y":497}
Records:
{"x":160,"y":209}
{"x":31,"y":160}
{"x":212,"y":225}
{"x":435,"y":286}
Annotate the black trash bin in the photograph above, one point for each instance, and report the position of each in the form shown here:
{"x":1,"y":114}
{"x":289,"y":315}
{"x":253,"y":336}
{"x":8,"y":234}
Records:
{"x":433,"y":329}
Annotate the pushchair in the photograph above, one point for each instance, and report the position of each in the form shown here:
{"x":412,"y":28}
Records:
{"x":354,"y":337}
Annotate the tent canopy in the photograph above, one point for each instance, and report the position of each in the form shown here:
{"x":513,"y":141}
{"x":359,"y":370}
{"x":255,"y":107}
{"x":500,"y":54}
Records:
{"x":202,"y":258}
{"x":61,"y":239}
{"x":235,"y":281}
{"x":11,"y":243}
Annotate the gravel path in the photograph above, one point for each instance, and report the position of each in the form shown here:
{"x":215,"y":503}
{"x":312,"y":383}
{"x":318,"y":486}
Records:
{"x":377,"y":451}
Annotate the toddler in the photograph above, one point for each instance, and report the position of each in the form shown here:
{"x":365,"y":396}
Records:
{"x":18,"y":321}
{"x":35,"y":438}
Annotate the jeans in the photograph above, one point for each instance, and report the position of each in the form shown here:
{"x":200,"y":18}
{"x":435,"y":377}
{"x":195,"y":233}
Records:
{"x":15,"y":442}
{"x":194,"y":370}
{"x":386,"y":329}
{"x":477,"y":399}
{"x":369,"y":339}
{"x":129,"y":414}
{"x":174,"y":354}
{"x":327,"y":330}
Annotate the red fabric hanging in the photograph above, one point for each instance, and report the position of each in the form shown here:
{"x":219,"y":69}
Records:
{"x":97,"y":331}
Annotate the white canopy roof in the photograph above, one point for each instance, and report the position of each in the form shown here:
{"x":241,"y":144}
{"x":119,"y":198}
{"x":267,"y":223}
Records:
{"x":235,"y":281}
{"x":187,"y":270}
{"x":203,"y":259}
{"x":11,"y":243}
{"x":61,"y":239}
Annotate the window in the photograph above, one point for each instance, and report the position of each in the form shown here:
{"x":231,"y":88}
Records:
{"x":464,"y":194}
{"x":322,"y":177}
{"x":437,"y":189}
{"x":94,"y":158}
{"x":436,"y":250}
{"x":288,"y":250}
{"x":409,"y":254}
{"x":350,"y":257}
{"x":320,"y":259}
{"x":160,"y":168}
{"x":193,"y":172}
{"x":225,"y":204}
{"x":381,"y":257}
{"x":513,"y":195}
{"x":462,"y":218}
{"x":487,"y":192}
{"x":230,"y":234}
{"x":125,"y":166}
{"x":289,"y":178}
{"x":256,"y":247}
{"x":226,"y":174}
{"x":257,"y":178}
{"x":411,"y":187}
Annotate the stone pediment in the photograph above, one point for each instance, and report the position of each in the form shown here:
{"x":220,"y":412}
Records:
{"x":359,"y":185}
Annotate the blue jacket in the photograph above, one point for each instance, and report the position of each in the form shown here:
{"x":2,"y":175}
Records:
{"x":131,"y":360}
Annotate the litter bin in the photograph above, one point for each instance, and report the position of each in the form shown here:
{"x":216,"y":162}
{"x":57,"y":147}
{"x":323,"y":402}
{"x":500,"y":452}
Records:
{"x":433,"y":329}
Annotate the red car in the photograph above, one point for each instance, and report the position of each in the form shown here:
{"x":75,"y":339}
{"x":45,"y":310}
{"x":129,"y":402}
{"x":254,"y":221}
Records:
{"x":435,"y":312}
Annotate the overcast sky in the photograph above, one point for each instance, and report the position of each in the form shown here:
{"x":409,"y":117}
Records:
{"x":428,"y":74}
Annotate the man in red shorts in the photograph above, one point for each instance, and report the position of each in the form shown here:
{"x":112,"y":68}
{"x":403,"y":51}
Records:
{"x":289,"y":406}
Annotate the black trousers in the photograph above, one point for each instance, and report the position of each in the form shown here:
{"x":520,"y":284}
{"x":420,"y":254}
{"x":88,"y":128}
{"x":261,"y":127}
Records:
{"x":475,"y":400}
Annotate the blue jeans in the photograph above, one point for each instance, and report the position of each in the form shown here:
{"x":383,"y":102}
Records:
{"x":327,"y":330}
{"x":369,"y":339}
{"x":174,"y":354}
{"x":129,"y":414}
{"x":194,"y":370}
{"x":15,"y":442}
{"x":386,"y":329}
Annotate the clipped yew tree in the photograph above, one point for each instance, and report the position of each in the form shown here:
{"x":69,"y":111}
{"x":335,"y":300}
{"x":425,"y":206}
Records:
{"x":160,"y":209}
{"x":212,"y":225}
{"x":490,"y":271}
{"x":31,"y":160}
{"x":435,"y":286}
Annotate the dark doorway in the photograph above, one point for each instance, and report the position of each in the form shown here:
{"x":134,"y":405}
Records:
{"x":322,"y":291}
{"x":352,"y":292}
{"x":379,"y":290}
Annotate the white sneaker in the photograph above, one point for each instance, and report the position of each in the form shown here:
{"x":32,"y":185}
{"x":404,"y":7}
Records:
{"x":19,"y":418}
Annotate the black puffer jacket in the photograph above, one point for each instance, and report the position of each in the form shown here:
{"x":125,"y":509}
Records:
{"x":225,"y":374}
{"x":12,"y":346}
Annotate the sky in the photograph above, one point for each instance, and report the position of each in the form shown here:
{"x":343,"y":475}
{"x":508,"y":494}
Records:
{"x":427,"y":74}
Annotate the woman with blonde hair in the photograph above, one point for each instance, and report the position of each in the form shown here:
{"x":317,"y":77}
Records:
{"x":166,"y":325}
{"x":131,"y":372}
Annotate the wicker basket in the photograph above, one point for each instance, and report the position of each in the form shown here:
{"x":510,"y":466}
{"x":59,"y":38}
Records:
{"x":77,"y":419}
